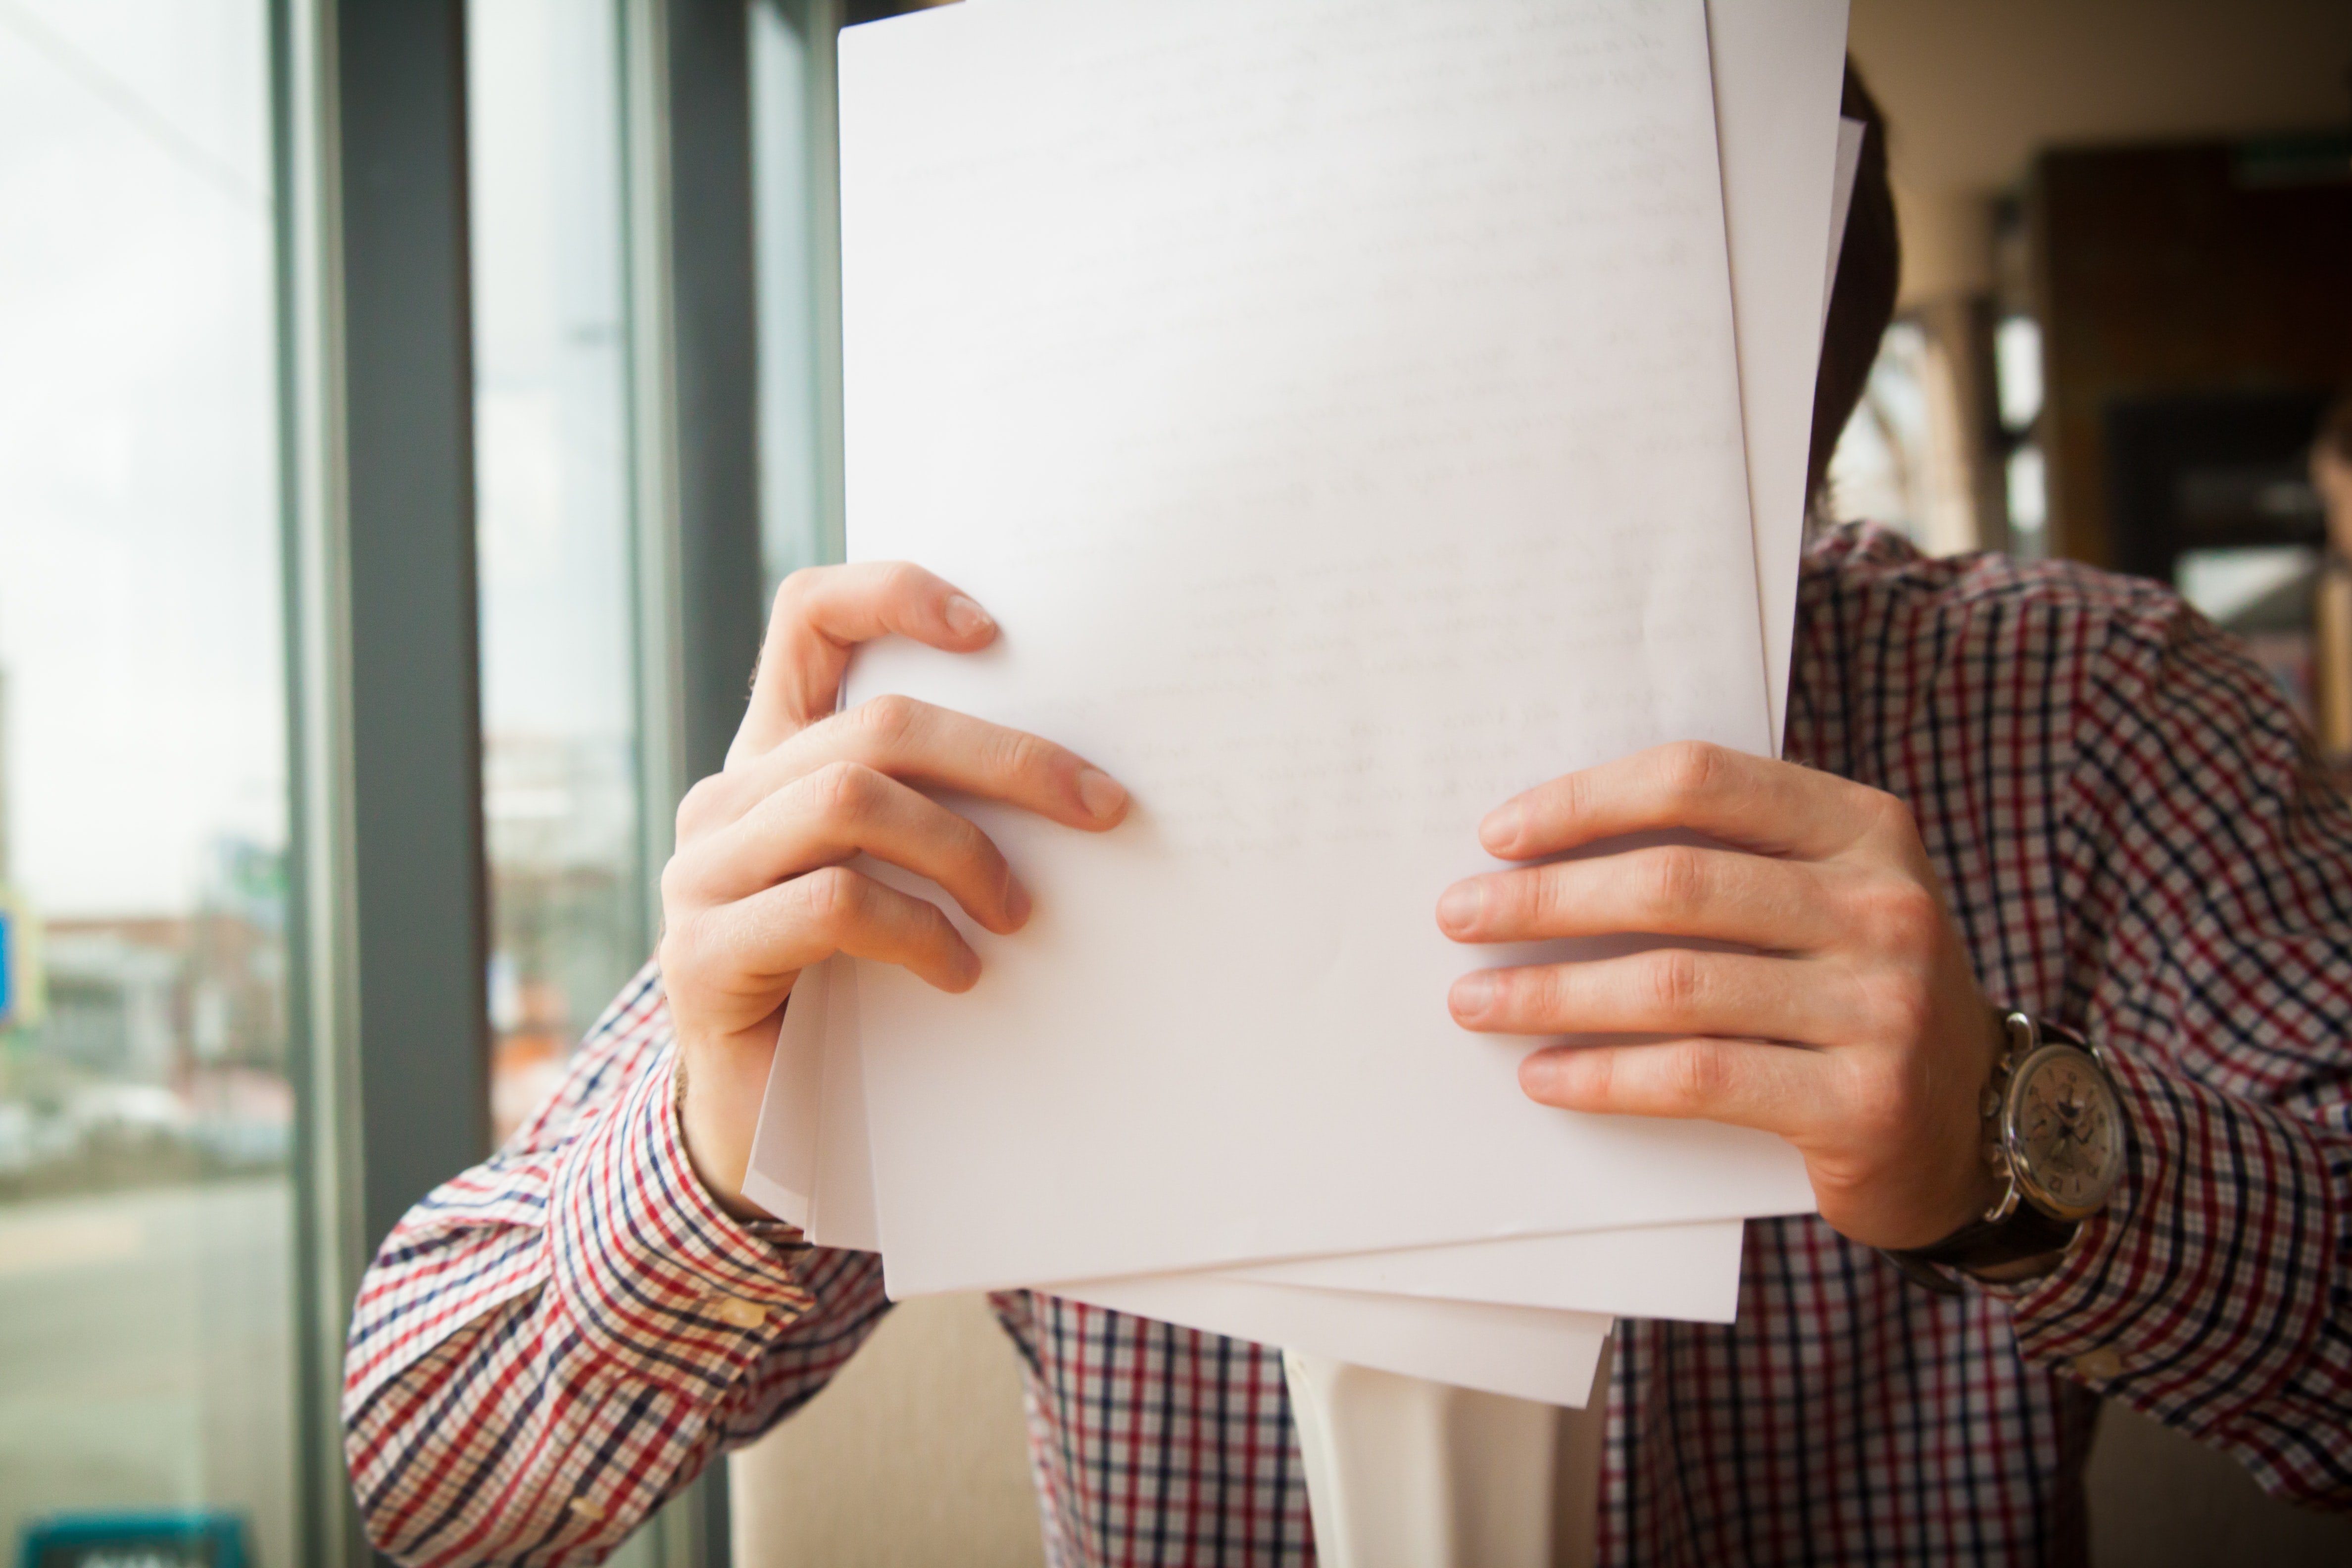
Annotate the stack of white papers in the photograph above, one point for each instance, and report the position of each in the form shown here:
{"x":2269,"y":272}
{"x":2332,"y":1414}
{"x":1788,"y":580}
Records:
{"x":1354,"y":414}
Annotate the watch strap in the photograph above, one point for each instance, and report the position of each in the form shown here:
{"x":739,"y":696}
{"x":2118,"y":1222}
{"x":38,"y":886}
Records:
{"x":2026,"y":1233}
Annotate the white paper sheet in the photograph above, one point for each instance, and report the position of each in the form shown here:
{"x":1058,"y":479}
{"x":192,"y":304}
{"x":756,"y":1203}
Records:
{"x":1607,"y":502}
{"x":815,"y":1171}
{"x":1524,"y":1352}
{"x":1690,"y":1272}
{"x":1682,"y":1271}
{"x":1528,"y":1352}
{"x":1778,"y":69}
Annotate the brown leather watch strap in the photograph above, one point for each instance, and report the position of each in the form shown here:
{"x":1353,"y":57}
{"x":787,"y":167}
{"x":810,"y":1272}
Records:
{"x":1982,"y":1243}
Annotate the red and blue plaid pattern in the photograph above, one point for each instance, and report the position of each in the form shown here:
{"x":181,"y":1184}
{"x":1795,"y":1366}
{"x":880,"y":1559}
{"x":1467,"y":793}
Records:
{"x":2134,"y":839}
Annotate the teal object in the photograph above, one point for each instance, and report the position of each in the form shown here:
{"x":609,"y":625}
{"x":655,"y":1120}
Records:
{"x":195,"y":1539}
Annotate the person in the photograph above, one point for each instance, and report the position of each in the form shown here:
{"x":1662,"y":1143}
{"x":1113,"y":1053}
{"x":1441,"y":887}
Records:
{"x":2031,"y":785}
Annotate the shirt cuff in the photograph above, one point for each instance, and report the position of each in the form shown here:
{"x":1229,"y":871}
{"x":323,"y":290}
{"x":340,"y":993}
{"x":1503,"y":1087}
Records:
{"x":655,"y":1275}
{"x":2197,"y":1290}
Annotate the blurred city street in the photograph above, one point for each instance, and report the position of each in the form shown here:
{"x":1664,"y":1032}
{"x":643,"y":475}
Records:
{"x":147,"y":1359}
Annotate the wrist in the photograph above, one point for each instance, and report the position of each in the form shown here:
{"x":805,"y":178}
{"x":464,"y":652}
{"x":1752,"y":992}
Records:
{"x":1968,"y":1188}
{"x":2053,"y":1144}
{"x":716,"y":1103}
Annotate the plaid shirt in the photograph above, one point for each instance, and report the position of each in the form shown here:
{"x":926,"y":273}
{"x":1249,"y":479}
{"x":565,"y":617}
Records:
{"x":2133,"y":839}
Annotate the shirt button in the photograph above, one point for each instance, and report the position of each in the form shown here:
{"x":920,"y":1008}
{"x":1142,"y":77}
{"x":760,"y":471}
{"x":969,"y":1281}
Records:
{"x":737,"y":1313}
{"x":2101,"y":1365}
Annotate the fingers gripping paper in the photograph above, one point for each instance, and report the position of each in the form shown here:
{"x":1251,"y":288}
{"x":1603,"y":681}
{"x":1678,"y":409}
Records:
{"x":1770,"y":109}
{"x":1491,"y":533}
{"x":1507,"y":1348}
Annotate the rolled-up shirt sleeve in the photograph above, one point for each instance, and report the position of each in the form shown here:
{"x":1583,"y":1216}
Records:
{"x":553,"y":1344}
{"x":2208,"y":900}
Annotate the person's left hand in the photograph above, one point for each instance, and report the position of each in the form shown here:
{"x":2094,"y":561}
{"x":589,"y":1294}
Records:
{"x":1855,"y":1029}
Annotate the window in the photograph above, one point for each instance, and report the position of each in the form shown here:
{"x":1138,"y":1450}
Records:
{"x":792,"y":196}
{"x":559,"y":763}
{"x":146,"y":1120}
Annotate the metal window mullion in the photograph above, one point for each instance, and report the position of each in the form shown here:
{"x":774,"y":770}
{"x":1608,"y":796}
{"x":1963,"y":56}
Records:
{"x":330,"y":1224}
{"x":693,"y":404}
{"x":388,"y":918}
{"x":658,"y":599}
{"x":407,"y":399}
{"x":823,"y":35}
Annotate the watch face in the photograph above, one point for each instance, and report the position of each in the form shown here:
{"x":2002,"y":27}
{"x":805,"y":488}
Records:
{"x":2067,"y":1130}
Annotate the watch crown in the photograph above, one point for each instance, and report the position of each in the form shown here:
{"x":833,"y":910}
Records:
{"x":1990,"y":1104}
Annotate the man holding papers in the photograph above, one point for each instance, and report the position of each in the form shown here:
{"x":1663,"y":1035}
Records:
{"x":2019,"y":802}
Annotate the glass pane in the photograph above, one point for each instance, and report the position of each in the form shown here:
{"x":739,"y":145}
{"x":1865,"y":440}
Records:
{"x":2267,"y":595}
{"x":146,"y":1357}
{"x":560,"y":761}
{"x":792,"y":489}
{"x":2017,"y":371}
{"x":1879,"y":472}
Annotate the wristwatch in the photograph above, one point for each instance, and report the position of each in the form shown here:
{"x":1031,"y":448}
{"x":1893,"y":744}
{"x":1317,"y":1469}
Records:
{"x":2054,"y":1138}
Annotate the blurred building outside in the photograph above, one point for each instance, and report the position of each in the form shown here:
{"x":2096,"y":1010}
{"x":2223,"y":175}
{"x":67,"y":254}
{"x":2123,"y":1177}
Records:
{"x":159,"y":1053}
{"x":556,"y":517}
{"x":144,"y":1048}
{"x":565,"y":908}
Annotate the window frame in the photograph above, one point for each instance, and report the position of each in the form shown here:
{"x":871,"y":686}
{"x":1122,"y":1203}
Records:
{"x":388,"y":917}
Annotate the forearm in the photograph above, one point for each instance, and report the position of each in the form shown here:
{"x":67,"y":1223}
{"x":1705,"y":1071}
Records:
{"x":2213,"y":1294}
{"x":545,"y":1351}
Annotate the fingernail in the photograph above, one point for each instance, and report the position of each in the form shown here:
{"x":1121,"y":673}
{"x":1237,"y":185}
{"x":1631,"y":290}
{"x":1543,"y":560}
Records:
{"x":1100,"y":794}
{"x":1473,"y":993}
{"x":965,"y":618}
{"x":1501,"y":828}
{"x":1458,"y":910}
{"x":1016,"y":900}
{"x":1540,"y":1076}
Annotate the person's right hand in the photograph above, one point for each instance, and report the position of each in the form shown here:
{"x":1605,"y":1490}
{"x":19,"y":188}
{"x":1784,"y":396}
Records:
{"x":759,"y":887}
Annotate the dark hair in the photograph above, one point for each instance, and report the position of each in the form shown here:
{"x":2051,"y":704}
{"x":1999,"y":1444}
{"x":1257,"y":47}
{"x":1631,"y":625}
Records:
{"x":1862,"y":301}
{"x":2335,"y":433}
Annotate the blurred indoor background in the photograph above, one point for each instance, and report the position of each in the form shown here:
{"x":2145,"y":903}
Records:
{"x":282,"y":276}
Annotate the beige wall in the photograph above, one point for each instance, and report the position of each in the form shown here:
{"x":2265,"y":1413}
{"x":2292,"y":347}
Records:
{"x":915,"y":1456}
{"x":1972,"y":89}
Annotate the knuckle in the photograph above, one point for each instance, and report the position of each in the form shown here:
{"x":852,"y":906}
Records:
{"x":1023,"y":755}
{"x":1677,"y":881}
{"x":1896,"y":811}
{"x":887,"y":721}
{"x":933,"y":928}
{"x":1899,"y":1008}
{"x":1696,"y":1074}
{"x":684,"y":950}
{"x":1884,"y":1109}
{"x":670,"y":951}
{"x":674,"y":887}
{"x":794,"y":593}
{"x":835,"y":897}
{"x":1675,"y":979}
{"x":844,"y":789}
{"x":1530,"y":996}
{"x":1691,"y":768}
{"x":902,"y":579}
{"x":1892,"y":815}
{"x":1901,"y":915}
{"x":1565,"y":800}
{"x":698,"y":806}
{"x":1532,"y":900}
